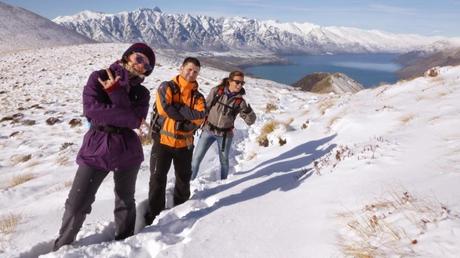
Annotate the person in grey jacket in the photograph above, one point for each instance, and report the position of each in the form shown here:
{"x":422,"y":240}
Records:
{"x":223,"y":104}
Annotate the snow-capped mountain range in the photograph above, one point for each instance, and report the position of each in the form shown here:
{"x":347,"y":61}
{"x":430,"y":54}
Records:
{"x":189,"y":32}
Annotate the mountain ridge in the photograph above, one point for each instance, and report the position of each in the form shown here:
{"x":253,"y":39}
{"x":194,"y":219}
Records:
{"x":199,"y":32}
{"x":21,"y":29}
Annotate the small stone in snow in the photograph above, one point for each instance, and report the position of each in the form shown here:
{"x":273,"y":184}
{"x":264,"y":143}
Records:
{"x":52,"y":120}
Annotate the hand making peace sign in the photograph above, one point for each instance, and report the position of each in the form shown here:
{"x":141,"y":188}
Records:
{"x":110,"y":81}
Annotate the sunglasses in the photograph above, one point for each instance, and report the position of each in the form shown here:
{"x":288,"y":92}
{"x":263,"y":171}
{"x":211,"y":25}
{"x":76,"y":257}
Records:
{"x":141,"y":60}
{"x":239,"y":82}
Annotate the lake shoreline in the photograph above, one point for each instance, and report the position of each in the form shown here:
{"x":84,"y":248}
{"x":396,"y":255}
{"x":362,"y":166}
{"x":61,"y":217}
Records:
{"x":370,"y":70}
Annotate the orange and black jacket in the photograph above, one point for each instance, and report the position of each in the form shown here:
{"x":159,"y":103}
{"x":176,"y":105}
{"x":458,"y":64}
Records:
{"x":182,"y":109}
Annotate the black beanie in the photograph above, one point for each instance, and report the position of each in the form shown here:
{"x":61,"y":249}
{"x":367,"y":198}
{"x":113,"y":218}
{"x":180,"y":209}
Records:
{"x":144,"y":49}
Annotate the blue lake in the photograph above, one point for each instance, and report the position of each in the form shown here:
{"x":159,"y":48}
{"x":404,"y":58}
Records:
{"x":368,"y":69}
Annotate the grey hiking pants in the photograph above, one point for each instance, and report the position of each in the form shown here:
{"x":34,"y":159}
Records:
{"x":82,"y":195}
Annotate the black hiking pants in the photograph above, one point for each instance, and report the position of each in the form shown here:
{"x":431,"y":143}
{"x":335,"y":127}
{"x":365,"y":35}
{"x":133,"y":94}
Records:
{"x":82,"y":195}
{"x":160,"y":162}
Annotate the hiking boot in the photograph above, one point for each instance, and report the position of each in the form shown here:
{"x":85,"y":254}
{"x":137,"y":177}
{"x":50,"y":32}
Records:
{"x":149,"y":218}
{"x":121,"y":236}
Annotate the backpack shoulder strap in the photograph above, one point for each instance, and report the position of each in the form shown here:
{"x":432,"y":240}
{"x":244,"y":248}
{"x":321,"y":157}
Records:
{"x":219,"y":92}
{"x":156,"y":121}
{"x":174,"y":87}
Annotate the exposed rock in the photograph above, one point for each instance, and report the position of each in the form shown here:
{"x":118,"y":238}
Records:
{"x":327,"y":82}
{"x":19,"y":158}
{"x":75,"y":122}
{"x":66,"y":145}
{"x":263,"y":141}
{"x":53,"y":120}
{"x":15,"y":133}
{"x":36,"y":106}
{"x":282,"y":141}
{"x":18,"y":116}
{"x":15,"y":118}
{"x":28,"y":122}
{"x":432,"y":72}
{"x":6,"y":118}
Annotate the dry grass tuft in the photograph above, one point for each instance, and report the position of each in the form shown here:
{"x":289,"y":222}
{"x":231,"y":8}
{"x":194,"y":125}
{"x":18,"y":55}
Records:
{"x":60,"y":186}
{"x":325,"y":105}
{"x":407,"y":118}
{"x":20,"y":158}
{"x":21,"y":179}
{"x":270,"y":107}
{"x":266,"y":129}
{"x":68,"y":183}
{"x":443,"y":93}
{"x":269,"y":127}
{"x":262,"y":140}
{"x":251,"y":155}
{"x":390,"y":227}
{"x":333,"y":120}
{"x":9,"y":222}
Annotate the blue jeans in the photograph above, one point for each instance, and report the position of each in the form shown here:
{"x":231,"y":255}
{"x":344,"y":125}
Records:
{"x":205,"y":141}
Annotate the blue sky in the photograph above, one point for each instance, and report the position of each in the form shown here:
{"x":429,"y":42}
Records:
{"x":429,"y":17}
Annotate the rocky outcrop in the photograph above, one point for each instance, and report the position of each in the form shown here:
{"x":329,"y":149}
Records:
{"x":328,"y":82}
{"x":416,"y":63}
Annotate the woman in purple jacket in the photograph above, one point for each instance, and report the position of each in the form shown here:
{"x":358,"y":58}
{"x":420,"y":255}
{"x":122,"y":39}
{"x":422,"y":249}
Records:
{"x":115,"y":103}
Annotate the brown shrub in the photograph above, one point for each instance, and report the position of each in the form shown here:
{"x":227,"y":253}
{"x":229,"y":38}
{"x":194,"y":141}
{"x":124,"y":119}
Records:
{"x":9,"y":222}
{"x":20,"y":179}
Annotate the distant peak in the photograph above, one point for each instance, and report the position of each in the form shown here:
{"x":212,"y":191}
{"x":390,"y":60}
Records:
{"x":157,"y":9}
{"x":89,"y":14}
{"x":83,"y":15}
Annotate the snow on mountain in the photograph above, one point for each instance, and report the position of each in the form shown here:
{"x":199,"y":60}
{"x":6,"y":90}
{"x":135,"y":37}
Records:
{"x":81,"y":16}
{"x":22,"y":29}
{"x":184,"y":31}
{"x":373,"y":174}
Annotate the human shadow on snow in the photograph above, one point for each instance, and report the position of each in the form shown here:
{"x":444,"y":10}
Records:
{"x":292,"y":173}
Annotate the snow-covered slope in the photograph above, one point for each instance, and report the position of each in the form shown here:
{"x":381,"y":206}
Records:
{"x":373,"y":173}
{"x":184,"y":31}
{"x":21,"y":29}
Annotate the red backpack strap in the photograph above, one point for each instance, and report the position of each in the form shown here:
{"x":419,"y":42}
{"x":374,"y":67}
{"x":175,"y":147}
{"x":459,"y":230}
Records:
{"x":219,"y":92}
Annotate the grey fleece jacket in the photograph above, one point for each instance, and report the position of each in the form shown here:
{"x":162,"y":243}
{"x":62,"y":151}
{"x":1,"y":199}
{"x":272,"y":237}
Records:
{"x":225,"y":110}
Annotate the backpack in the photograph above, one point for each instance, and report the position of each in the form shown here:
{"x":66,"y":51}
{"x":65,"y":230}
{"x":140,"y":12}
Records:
{"x":156,"y":121}
{"x":235,"y":108}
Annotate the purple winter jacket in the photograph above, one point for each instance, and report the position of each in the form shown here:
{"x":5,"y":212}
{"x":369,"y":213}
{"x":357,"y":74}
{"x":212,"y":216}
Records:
{"x":125,"y":106}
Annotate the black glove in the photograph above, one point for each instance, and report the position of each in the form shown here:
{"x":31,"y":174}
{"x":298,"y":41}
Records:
{"x":185,"y":126}
{"x":247,"y":110}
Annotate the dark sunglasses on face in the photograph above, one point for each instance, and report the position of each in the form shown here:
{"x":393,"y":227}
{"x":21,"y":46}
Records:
{"x":239,"y":82}
{"x":141,"y":60}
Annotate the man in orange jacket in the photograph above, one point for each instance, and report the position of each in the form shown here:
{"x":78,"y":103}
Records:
{"x":181,"y":110}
